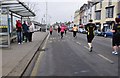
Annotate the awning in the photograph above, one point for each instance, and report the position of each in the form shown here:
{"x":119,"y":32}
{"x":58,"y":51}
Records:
{"x":17,"y":7}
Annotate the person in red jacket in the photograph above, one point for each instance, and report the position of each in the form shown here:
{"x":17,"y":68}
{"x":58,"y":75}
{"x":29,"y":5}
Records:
{"x":62,"y":30}
{"x":51,"y":30}
{"x":19,"y":31}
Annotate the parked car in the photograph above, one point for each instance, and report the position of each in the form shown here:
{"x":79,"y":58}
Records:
{"x":70,"y":29}
{"x":98,"y":33}
{"x":108,"y":33}
{"x":82,"y":30}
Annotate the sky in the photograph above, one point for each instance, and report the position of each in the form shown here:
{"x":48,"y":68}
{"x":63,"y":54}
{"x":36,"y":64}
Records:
{"x":57,"y":10}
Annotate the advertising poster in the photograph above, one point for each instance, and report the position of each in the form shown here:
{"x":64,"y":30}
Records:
{"x":4,"y":23}
{"x":4,"y":27}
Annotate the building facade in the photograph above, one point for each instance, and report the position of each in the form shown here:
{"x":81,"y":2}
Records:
{"x":83,"y":14}
{"x":77,"y":17}
{"x":119,"y":8}
{"x":103,"y":13}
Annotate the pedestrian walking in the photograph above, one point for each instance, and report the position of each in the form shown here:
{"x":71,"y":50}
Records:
{"x":19,"y":31}
{"x":31,"y":31}
{"x":90,"y":27}
{"x":51,"y":30}
{"x":65,"y":30}
{"x":62,"y":29}
{"x":25,"y":31}
{"x":116,"y":36}
{"x":75,"y":29}
{"x":59,"y":30}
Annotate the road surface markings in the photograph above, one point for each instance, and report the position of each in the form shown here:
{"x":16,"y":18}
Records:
{"x":106,"y":58}
{"x":86,"y":47}
{"x":35,"y":69}
{"x":45,"y":42}
{"x":50,"y":41}
{"x":51,"y":38}
{"x":78,"y":43}
{"x":36,"y":66}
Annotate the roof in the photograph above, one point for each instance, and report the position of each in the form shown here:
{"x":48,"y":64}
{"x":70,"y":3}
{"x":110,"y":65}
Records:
{"x":77,"y":11}
{"x":17,"y":7}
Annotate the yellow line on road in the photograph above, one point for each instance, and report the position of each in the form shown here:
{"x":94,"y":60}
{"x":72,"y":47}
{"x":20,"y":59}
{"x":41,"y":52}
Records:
{"x":45,"y":42}
{"x":37,"y":64}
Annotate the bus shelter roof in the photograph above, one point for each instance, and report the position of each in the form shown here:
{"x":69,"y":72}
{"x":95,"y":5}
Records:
{"x":17,"y":7}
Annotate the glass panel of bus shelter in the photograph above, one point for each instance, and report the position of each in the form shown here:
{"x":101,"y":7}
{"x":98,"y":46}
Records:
{"x":4,"y":28}
{"x":14,"y":26}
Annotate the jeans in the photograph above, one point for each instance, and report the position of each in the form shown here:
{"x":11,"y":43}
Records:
{"x":26,"y":35}
{"x":19,"y":36}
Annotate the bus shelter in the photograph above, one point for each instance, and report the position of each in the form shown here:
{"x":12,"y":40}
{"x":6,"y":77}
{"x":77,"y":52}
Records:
{"x":10,"y":11}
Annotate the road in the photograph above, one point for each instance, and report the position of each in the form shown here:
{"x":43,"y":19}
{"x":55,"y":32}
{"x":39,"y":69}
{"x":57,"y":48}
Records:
{"x":70,"y":57}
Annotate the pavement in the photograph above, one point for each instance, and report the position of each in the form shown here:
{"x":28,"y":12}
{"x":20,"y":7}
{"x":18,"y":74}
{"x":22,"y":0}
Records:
{"x":17,"y":57}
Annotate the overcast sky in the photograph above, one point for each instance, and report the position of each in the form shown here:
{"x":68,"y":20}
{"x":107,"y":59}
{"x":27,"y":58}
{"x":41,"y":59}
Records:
{"x":58,"y":10}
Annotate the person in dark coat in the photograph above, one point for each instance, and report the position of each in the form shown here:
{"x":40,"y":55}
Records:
{"x":25,"y":31}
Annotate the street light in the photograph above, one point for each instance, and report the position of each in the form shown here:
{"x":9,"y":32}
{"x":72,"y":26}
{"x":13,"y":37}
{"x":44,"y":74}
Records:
{"x":46,"y":16}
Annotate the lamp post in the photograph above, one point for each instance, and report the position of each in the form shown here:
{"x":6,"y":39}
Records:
{"x":46,"y":16}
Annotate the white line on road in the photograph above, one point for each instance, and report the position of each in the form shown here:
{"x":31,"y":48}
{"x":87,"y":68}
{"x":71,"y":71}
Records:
{"x":86,"y":47}
{"x":106,"y":58}
{"x":50,"y":41}
{"x":78,"y":43}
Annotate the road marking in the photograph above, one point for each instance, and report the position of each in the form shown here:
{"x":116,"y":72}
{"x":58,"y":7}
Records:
{"x":86,"y":47}
{"x":35,"y":69}
{"x":50,"y":41}
{"x":45,"y":42}
{"x":106,"y":58}
{"x":78,"y":43}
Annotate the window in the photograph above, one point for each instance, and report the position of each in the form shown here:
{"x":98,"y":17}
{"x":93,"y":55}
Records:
{"x":110,"y":2}
{"x":100,"y":4}
{"x":95,"y":7}
{"x":109,"y":12}
{"x":98,"y":15}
